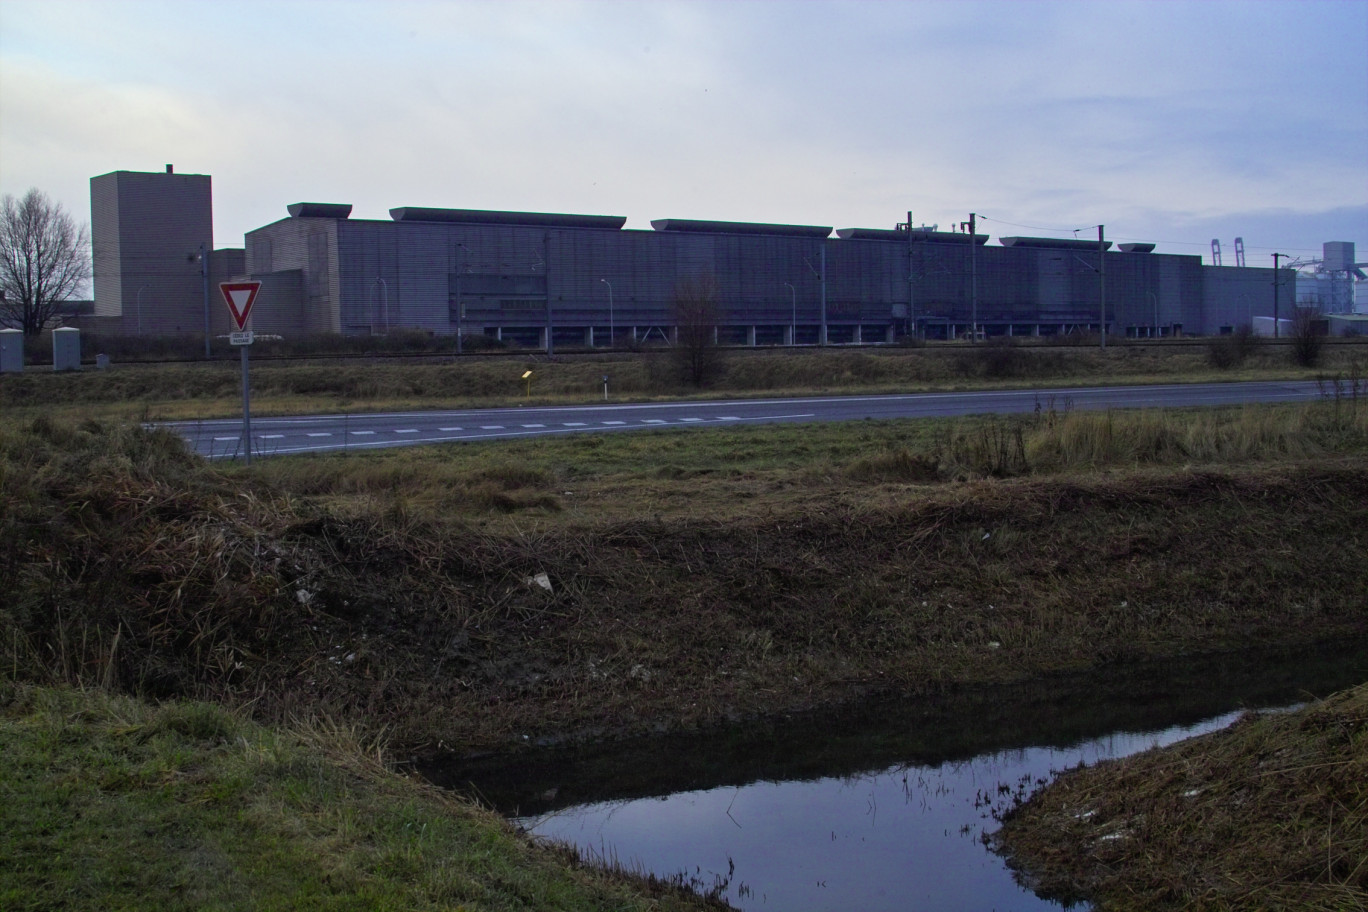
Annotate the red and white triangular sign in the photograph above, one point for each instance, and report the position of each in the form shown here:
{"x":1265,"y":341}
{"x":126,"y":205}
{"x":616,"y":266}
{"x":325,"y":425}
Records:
{"x":240,"y":296}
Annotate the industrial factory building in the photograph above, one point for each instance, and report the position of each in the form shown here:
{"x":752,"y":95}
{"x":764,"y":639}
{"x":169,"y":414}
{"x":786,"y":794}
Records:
{"x":152,"y":247}
{"x":556,"y":280}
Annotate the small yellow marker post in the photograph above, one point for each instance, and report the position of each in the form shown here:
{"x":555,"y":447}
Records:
{"x":527,"y":375}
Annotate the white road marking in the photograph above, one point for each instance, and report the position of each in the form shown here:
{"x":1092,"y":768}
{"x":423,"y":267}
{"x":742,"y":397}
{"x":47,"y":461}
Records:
{"x":405,"y":430}
{"x":533,"y":425}
{"x":654,"y":421}
{"x":690,"y":419}
{"x":319,"y":434}
{"x":575,"y":424}
{"x":612,"y":423}
{"x":228,"y":438}
{"x":362,"y":433}
{"x":271,"y":436}
{"x":491,"y":427}
{"x":448,"y":429}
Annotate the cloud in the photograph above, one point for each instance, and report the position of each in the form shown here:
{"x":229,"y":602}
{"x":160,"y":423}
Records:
{"x":845,"y":113}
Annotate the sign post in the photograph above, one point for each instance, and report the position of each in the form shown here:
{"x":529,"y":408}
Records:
{"x":240,"y":296}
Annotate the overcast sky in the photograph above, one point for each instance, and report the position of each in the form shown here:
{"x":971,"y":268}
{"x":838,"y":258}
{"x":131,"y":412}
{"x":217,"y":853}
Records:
{"x":1173,"y":122}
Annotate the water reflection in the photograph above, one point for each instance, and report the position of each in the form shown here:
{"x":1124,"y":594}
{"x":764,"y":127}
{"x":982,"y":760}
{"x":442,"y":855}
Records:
{"x":882,"y":806}
{"x":904,"y":838}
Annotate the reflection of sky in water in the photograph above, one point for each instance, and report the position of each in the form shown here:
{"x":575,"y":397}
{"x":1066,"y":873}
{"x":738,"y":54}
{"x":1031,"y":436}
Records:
{"x":905,"y":838}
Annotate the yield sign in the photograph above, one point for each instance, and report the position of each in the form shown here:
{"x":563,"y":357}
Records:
{"x":240,"y":296}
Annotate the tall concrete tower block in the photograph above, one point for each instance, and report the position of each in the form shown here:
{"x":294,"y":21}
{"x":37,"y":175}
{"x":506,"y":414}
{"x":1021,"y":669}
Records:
{"x":146,"y":231}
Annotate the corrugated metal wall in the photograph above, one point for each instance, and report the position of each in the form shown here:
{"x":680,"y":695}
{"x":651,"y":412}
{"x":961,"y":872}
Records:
{"x":376,"y":276}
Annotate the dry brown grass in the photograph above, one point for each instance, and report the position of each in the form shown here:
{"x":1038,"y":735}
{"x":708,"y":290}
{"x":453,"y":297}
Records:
{"x":187,"y":391}
{"x":1271,"y":813}
{"x":125,"y":561}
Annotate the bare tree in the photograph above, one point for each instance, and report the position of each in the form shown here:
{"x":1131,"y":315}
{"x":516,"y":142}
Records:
{"x":44,"y":259}
{"x":696,"y":315}
{"x":1307,"y":338}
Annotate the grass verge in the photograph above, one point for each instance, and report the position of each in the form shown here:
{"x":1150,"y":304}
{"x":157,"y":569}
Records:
{"x":213,"y":389}
{"x":664,"y":593}
{"x":471,"y":598}
{"x":109,"y":803}
{"x":1271,"y":813}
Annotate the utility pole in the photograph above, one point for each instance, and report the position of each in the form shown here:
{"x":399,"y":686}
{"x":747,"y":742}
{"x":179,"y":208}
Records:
{"x":1102,"y":281}
{"x":1275,"y":292}
{"x":204,"y":279}
{"x":911,"y":303}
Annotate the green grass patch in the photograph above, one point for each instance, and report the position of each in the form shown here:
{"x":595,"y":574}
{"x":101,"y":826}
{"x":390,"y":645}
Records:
{"x":110,"y":803}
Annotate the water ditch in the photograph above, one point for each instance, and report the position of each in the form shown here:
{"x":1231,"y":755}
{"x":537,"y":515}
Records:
{"x":882,"y":806}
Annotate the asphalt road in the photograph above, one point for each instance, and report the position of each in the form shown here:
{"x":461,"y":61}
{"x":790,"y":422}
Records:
{"x":222,"y":438}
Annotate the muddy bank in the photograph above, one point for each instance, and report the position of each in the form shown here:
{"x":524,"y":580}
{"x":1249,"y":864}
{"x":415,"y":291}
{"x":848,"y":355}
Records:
{"x":128,"y":563}
{"x":1057,"y":711}
{"x":1271,"y":813}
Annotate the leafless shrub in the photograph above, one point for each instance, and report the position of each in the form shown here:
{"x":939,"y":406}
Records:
{"x":697,"y":355}
{"x":1232,"y":350}
{"x":1308,"y":340}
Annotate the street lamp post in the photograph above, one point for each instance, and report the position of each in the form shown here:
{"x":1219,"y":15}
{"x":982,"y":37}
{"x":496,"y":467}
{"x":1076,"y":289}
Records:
{"x":612,"y":326}
{"x":793,"y":325}
{"x":972,"y":227}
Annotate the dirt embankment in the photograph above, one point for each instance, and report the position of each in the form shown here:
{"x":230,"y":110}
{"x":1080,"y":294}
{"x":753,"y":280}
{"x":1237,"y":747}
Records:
{"x":126,"y":562}
{"x":1271,"y":813}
